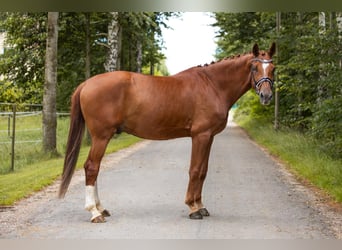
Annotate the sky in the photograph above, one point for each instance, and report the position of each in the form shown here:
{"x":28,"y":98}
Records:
{"x":190,"y":42}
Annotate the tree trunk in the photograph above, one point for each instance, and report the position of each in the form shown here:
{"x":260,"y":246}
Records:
{"x":87,"y":61}
{"x":339,"y":22}
{"x":276,"y":89}
{"x":339,"y":28}
{"x":321,"y":23}
{"x":113,"y":43}
{"x":152,"y":68}
{"x":322,"y":32}
{"x":139,"y":56}
{"x":49,"y":97}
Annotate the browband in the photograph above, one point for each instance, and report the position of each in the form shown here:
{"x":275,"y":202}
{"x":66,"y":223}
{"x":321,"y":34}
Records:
{"x":262,"y":60}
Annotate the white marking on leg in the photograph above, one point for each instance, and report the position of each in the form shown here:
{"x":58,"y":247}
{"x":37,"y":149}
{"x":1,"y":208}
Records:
{"x":90,"y":203}
{"x":90,"y":197}
{"x":97,"y":200}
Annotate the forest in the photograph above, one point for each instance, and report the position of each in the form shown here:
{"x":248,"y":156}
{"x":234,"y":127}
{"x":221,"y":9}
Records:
{"x":308,"y":60}
{"x":308,"y":69}
{"x":83,"y":50}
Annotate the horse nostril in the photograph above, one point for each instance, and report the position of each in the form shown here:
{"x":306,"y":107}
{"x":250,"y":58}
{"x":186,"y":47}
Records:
{"x":261,"y":95}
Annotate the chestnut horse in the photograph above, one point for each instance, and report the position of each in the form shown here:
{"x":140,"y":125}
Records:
{"x":193,"y":103}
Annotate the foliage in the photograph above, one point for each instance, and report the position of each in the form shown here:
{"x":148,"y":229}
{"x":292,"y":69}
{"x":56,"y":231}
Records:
{"x":239,"y":31}
{"x":142,"y":28}
{"x":72,"y":51}
{"x":327,"y":126}
{"x":10,"y":93}
{"x":308,"y":69}
{"x":22,"y":63}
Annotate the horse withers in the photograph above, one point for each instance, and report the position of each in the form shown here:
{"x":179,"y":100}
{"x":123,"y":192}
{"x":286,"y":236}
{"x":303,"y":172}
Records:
{"x":193,"y":103}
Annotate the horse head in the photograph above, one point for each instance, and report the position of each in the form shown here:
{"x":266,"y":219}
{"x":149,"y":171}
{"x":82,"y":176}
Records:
{"x":262,"y":73}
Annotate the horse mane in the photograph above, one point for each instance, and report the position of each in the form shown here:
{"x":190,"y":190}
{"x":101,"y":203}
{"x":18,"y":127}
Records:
{"x":233,"y":57}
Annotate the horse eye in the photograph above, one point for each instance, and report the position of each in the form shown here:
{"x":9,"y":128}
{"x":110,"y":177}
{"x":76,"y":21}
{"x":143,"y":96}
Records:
{"x":254,"y":68}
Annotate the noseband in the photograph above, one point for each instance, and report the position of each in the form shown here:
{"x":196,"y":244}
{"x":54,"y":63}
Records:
{"x":258,"y":83}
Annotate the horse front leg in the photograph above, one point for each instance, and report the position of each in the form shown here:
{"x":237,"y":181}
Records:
{"x":91,"y":167}
{"x":201,"y":145}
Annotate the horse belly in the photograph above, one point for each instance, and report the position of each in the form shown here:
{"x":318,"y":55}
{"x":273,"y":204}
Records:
{"x":158,"y":127}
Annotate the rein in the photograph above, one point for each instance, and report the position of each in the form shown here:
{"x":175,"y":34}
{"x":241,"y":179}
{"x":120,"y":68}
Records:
{"x":258,"y":83}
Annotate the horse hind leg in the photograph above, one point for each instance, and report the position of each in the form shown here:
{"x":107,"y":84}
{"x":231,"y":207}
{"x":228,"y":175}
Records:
{"x":91,"y":167}
{"x":90,"y":205}
{"x":104,"y":212}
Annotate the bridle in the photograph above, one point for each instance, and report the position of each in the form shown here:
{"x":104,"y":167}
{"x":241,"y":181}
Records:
{"x":263,"y":79}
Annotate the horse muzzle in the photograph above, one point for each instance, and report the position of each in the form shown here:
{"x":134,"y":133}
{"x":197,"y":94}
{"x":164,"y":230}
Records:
{"x":265,"y":97}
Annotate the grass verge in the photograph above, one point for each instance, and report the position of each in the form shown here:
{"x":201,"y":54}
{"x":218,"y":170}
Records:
{"x":301,"y":155}
{"x":34,"y":177}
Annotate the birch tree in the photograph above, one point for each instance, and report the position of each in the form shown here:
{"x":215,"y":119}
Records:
{"x":112,"y":61}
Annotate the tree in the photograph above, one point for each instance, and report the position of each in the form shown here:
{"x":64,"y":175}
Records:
{"x":22,"y":64}
{"x":239,"y":31}
{"x":87,"y":50}
{"x":113,"y":43}
{"x":142,"y":39}
{"x":49,"y":97}
{"x":81,"y":53}
{"x":308,"y":70}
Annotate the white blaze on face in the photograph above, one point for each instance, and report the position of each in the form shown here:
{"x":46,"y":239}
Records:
{"x":265,"y":66}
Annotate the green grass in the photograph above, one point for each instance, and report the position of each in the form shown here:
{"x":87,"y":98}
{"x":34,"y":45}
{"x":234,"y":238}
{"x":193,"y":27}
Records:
{"x":28,"y":145}
{"x":301,"y":154}
{"x":21,"y":183}
{"x":35,"y":170}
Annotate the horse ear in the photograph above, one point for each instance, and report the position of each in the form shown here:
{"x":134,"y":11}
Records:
{"x":272,"y":49}
{"x":256,"y":50}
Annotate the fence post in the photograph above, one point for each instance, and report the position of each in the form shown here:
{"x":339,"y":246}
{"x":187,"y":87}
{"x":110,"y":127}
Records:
{"x":14,"y":109}
{"x":9,"y":126}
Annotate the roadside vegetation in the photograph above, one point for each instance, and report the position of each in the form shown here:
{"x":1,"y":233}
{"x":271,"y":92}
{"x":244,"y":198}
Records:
{"x":308,"y":81}
{"x":35,"y":170}
{"x":302,"y":154}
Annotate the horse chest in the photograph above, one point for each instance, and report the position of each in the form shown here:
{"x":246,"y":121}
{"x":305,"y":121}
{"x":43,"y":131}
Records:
{"x":211,"y":122}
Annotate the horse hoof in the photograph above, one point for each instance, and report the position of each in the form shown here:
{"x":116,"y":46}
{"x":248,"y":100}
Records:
{"x":196,"y":215}
{"x":105,"y":213}
{"x":204,"y":211}
{"x":98,"y":219}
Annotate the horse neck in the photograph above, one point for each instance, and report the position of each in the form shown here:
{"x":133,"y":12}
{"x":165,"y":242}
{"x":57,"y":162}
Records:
{"x":231,"y":77}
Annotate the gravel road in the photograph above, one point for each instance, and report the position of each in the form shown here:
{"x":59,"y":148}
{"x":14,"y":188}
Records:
{"x":248,"y":194}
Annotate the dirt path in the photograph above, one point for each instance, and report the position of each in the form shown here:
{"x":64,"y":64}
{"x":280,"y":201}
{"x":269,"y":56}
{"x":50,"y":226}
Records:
{"x":248,"y":194}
